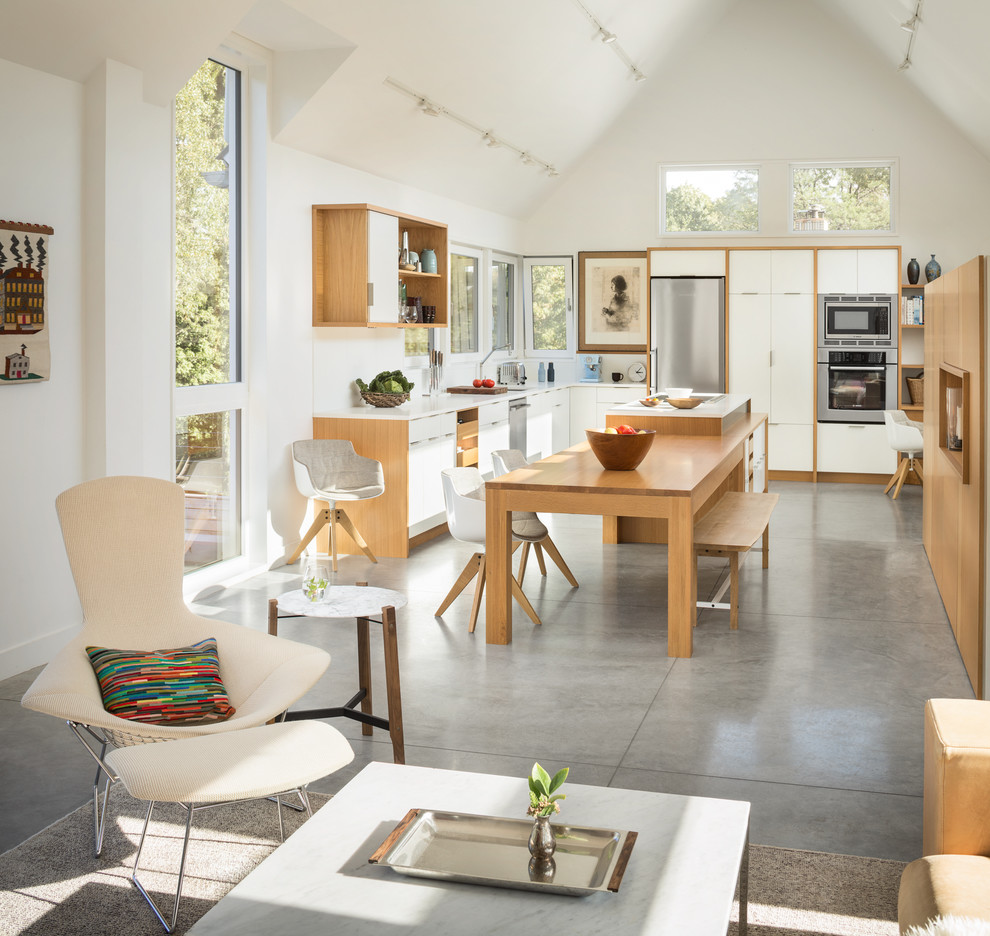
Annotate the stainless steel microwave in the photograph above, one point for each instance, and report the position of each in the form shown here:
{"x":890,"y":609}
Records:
{"x":857,"y":321}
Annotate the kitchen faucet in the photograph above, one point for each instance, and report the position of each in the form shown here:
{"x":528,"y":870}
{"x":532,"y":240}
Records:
{"x":481,"y":366}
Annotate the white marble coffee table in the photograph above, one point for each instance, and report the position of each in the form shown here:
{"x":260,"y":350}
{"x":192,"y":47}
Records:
{"x":361,"y":602}
{"x":680,"y":879}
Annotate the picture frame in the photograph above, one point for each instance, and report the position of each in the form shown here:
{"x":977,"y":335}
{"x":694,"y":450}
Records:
{"x":613,"y":301}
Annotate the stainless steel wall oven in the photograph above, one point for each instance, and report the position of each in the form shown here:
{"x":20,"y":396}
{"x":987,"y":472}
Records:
{"x":856,"y":386}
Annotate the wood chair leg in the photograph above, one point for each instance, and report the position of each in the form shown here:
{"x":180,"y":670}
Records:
{"x":469,"y":572}
{"x":894,"y":476}
{"x":333,"y":538}
{"x":479,"y":590}
{"x":538,"y":549}
{"x":517,"y":593}
{"x":916,"y":468}
{"x":900,"y":480}
{"x":554,"y":554}
{"x":734,"y":591}
{"x":766,"y":547}
{"x":322,"y":517}
{"x":522,"y":562}
{"x":352,"y":532}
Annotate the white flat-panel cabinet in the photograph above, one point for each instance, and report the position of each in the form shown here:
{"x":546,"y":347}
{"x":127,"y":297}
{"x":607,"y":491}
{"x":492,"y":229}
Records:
{"x":792,"y":330}
{"x":856,"y":447}
{"x":859,"y":272}
{"x":790,"y":447}
{"x":749,"y":349}
{"x":383,"y":290}
{"x":749,"y":272}
{"x":584,"y":403}
{"x":703,"y":262}
{"x":432,"y":447}
{"x":560,"y":413}
{"x":539,"y":426}
{"x":792,"y":272}
{"x":607,"y":398}
{"x":493,"y":433}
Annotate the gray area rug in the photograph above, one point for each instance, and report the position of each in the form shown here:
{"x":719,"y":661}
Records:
{"x":51,"y":885}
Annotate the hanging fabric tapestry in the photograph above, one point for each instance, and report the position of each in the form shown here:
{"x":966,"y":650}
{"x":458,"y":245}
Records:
{"x":24,"y":349}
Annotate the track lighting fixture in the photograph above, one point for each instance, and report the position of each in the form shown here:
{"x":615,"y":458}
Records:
{"x":911,"y":26}
{"x":611,"y":40}
{"x":607,"y":37}
{"x":432,"y":109}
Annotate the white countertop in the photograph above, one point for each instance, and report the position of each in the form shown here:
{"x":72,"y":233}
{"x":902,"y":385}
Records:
{"x":720,"y":405}
{"x":420,"y":405}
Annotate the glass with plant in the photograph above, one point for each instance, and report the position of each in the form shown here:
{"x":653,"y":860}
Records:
{"x":316,"y":578}
{"x":544,"y":801}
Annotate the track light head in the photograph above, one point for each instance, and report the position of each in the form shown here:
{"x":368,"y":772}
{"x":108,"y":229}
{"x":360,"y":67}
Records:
{"x":638,"y":75}
{"x":905,"y":65}
{"x":490,"y":140}
{"x":606,"y":36}
{"x":428,"y":108}
{"x":910,"y":25}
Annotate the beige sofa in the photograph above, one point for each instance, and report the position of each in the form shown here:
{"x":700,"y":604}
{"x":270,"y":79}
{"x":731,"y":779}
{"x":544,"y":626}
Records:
{"x":953,"y":877}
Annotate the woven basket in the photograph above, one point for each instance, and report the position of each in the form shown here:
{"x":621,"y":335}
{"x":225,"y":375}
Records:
{"x":383,"y":399}
{"x":916,"y":389}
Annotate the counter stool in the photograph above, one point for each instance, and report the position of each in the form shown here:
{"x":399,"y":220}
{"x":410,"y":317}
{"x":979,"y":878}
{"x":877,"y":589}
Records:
{"x":211,"y":770}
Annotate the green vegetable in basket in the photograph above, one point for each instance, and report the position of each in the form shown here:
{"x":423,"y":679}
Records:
{"x":386,"y":382}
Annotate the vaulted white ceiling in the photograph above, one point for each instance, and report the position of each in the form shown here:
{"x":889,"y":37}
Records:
{"x":534,"y":72}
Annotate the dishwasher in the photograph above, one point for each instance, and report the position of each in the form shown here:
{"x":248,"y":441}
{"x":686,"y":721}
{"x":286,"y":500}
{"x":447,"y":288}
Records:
{"x":517,"y":424}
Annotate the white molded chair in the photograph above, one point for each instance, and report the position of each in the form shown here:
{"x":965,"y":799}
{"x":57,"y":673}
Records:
{"x":124,"y":539}
{"x":905,"y":436}
{"x":464,"y":498}
{"x":330,"y":469}
{"x":528,"y":526}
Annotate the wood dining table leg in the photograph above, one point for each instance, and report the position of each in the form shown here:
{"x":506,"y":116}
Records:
{"x":682,"y":585}
{"x":364,"y":670}
{"x":392,"y":692}
{"x":498,"y":552}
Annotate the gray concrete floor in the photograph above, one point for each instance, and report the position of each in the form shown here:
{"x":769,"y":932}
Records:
{"x":812,"y":710}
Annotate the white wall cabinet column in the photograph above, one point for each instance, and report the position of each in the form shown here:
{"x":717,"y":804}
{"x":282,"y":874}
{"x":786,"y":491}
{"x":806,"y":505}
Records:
{"x":859,"y":272}
{"x":749,"y":348}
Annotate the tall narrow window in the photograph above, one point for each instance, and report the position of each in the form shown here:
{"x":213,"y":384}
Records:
{"x":547,"y":305}
{"x":207,"y":310}
{"x":465,"y":279}
{"x":503,"y":303}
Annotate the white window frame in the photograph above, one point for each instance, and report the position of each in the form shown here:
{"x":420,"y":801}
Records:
{"x":571,"y":323}
{"x":484,"y":279}
{"x":892,"y":164}
{"x":662,"y":170}
{"x":514,"y":350}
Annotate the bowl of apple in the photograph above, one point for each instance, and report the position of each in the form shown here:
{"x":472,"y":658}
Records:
{"x":620,"y":448}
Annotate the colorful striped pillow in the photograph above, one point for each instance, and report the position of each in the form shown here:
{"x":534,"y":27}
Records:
{"x":163,"y":687}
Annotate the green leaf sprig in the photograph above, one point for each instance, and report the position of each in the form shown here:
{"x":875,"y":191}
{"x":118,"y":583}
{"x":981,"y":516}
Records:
{"x":542,"y":801}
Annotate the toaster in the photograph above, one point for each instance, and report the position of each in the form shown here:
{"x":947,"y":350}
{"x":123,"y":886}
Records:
{"x":512,"y":373}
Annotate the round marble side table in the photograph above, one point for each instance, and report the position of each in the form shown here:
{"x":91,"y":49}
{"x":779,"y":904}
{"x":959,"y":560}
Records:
{"x":360,"y":602}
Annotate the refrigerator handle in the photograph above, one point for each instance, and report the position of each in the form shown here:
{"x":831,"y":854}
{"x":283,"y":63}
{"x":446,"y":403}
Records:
{"x":771,"y":357}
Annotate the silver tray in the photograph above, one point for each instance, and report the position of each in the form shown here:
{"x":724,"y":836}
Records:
{"x":493,"y":851}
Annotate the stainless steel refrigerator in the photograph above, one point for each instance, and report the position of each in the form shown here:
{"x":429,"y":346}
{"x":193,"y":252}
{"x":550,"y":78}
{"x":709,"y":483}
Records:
{"x":687,"y":333}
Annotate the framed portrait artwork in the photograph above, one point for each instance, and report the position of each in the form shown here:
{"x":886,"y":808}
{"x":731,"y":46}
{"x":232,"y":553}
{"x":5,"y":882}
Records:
{"x":613,"y":304}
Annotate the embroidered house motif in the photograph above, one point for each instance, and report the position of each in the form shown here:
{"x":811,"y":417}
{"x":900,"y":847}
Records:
{"x":17,"y":366}
{"x":22,"y":301}
{"x":25,"y":320}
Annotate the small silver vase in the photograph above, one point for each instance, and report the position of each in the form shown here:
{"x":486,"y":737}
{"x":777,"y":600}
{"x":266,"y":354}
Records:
{"x":542,"y":841}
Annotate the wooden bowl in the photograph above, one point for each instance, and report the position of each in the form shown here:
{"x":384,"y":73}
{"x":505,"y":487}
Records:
{"x":684,"y":402}
{"x":619,"y":452}
{"x":650,"y":401}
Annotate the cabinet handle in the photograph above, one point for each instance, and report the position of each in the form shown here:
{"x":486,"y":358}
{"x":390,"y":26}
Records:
{"x":753,"y":293}
{"x":371,"y":294}
{"x":770,"y":354}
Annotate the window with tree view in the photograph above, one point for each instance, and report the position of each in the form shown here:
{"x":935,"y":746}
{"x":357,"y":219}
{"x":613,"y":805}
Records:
{"x":547,"y":302}
{"x":702,"y":200}
{"x":464,"y":295}
{"x":207,"y":312}
{"x":842,"y":197}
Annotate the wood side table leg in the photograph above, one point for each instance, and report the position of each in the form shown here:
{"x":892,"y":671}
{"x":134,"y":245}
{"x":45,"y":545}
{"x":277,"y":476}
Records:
{"x":682,"y":585}
{"x":498,"y":569}
{"x":392,"y":685}
{"x":364,"y":671}
{"x":273,"y":617}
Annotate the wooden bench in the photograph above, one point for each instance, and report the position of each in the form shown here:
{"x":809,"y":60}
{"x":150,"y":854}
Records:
{"x":730,"y":528}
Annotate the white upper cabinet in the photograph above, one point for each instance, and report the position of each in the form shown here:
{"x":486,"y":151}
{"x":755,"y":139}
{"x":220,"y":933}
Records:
{"x":383,"y":283}
{"x":792,"y":272}
{"x":702,"y":262}
{"x":860,"y":272}
{"x":749,"y":272}
{"x":878,"y":272}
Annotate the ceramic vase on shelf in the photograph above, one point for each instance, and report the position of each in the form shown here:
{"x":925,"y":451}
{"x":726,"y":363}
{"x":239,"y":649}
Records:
{"x":542,"y":841}
{"x":932,"y":269}
{"x":428,"y":259}
{"x":914,"y":271}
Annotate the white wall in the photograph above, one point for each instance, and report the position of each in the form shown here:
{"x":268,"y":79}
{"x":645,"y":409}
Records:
{"x":773,"y":81}
{"x":313,"y":369}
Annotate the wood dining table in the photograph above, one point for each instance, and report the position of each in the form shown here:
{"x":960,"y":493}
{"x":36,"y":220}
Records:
{"x":681,"y":478}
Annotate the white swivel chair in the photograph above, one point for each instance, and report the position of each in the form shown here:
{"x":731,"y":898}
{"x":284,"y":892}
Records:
{"x":330,"y":470}
{"x":904,"y":436}
{"x":464,"y":498}
{"x":528,"y":526}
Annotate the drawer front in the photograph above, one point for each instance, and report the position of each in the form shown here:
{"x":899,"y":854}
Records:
{"x":493,"y":413}
{"x":432,"y":427}
{"x":855,"y":448}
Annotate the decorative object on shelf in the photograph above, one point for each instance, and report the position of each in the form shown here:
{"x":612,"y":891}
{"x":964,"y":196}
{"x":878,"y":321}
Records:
{"x":612,"y":301}
{"x":916,"y":388}
{"x":953,"y":419}
{"x":541,"y":373}
{"x":550,"y":374}
{"x":637,"y":372}
{"x":389,"y":388}
{"x":404,"y":252}
{"x":543,"y":803}
{"x":617,"y":451}
{"x":316,"y":577}
{"x":24,"y":347}
{"x":932,"y":269}
{"x":428,"y":259}
{"x":914,"y":271}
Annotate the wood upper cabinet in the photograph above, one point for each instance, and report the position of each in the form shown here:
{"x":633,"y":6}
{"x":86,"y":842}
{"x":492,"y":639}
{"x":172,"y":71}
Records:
{"x":356,"y":271}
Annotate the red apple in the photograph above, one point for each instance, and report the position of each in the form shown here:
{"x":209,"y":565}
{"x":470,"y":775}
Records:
{"x":488,"y":382}
{"x":626,"y":430}
{"x":477,"y":383}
